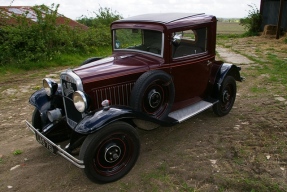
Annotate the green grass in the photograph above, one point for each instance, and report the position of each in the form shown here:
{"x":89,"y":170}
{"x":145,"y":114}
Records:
{"x":269,"y":63}
{"x":279,"y":69}
{"x":69,"y":60}
{"x":259,"y":89}
{"x":160,"y":179}
{"x":228,"y":36}
{"x":249,"y":183}
{"x":17,"y":152}
{"x":229,"y":28}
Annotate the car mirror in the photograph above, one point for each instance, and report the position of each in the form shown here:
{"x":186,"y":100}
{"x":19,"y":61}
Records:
{"x":176,"y":39}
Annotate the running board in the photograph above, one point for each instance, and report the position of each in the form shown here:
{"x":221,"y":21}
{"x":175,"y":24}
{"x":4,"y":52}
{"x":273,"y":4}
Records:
{"x":190,"y":111}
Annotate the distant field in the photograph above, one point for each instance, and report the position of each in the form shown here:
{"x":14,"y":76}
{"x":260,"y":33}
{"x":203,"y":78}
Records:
{"x":229,"y":28}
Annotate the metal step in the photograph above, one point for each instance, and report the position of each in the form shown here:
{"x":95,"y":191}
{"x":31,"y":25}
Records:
{"x":190,"y":111}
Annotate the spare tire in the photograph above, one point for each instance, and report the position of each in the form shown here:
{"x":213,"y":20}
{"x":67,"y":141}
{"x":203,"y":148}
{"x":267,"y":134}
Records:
{"x":153,"y":94}
{"x":89,"y":60}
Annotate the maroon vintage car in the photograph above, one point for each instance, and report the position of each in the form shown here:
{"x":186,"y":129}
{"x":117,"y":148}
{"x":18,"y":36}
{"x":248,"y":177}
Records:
{"x":162,"y":72}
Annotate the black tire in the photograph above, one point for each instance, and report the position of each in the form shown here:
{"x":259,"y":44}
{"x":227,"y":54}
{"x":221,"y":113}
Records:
{"x":153,"y":94}
{"x":58,"y":134}
{"x":110,"y":153}
{"x":227,"y":97}
{"x":89,"y":60}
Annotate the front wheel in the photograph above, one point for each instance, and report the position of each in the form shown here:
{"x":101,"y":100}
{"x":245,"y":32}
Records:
{"x":110,"y":153}
{"x":227,"y":97}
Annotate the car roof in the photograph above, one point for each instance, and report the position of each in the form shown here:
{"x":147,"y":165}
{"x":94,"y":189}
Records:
{"x":164,"y":18}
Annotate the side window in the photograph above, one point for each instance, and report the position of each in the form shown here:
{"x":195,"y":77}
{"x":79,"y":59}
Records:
{"x":189,"y":42}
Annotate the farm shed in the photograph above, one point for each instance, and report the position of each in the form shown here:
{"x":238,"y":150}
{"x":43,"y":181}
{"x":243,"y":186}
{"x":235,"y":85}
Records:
{"x":274,"y":12}
{"x":8,"y":11}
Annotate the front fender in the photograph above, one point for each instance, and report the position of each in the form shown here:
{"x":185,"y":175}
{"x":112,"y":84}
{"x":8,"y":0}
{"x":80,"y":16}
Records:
{"x":40,"y":100}
{"x":43,"y":103}
{"x":99,"y":119}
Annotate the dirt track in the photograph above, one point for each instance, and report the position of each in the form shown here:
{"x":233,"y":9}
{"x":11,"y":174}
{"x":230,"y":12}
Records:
{"x":243,"y":151}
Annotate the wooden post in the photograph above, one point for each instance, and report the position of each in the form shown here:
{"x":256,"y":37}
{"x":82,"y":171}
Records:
{"x":261,"y":14}
{"x":261,"y":6}
{"x":279,"y":19}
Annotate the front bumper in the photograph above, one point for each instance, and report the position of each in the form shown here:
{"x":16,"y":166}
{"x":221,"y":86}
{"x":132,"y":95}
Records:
{"x":53,"y":148}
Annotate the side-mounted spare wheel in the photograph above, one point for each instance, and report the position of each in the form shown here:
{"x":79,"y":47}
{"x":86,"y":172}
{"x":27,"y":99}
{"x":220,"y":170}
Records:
{"x":110,"y":153}
{"x":153,"y":94}
{"x":227,"y":95}
{"x":89,"y":60}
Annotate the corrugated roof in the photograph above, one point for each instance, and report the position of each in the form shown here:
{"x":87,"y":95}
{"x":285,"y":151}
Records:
{"x":31,"y":15}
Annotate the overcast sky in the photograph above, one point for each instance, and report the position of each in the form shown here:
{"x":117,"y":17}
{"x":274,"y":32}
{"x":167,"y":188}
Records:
{"x":76,"y":8}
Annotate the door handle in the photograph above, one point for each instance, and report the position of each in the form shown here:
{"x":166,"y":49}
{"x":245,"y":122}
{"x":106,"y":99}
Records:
{"x":209,"y":62}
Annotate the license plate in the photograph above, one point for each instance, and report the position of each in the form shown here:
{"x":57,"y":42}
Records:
{"x":46,"y":143}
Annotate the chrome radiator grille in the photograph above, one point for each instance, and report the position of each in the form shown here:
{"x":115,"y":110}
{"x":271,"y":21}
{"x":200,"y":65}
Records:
{"x":70,"y":83}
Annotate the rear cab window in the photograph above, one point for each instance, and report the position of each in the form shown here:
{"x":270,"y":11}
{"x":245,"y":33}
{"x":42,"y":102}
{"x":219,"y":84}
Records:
{"x":190,"y":42}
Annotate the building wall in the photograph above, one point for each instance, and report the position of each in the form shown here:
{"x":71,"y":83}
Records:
{"x":270,"y":12}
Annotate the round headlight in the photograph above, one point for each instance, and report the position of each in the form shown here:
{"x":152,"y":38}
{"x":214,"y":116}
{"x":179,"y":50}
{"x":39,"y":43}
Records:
{"x":80,"y":101}
{"x":50,"y":86}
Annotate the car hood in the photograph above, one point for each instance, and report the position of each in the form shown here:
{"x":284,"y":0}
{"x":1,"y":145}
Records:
{"x":116,"y":65}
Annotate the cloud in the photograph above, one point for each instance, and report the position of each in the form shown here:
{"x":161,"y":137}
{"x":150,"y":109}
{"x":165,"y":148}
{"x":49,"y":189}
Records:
{"x":75,"y":8}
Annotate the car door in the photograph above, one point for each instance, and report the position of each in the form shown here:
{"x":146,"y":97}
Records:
{"x":190,"y":63}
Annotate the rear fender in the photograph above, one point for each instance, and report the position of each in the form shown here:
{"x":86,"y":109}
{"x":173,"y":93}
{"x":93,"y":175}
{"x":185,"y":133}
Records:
{"x":226,"y":70}
{"x":229,"y":70}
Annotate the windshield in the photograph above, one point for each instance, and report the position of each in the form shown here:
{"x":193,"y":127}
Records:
{"x":139,"y":40}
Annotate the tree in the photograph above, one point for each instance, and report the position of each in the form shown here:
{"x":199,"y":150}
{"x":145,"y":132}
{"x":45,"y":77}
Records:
{"x":104,"y":17}
{"x":252,"y":23}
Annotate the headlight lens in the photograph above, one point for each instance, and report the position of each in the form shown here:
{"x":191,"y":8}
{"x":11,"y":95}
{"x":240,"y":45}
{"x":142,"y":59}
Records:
{"x":50,"y":86}
{"x":80,"y":101}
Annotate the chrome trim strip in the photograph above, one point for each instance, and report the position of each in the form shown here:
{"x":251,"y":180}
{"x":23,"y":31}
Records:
{"x":74,"y":79}
{"x":106,"y":95}
{"x":110,"y":93}
{"x":101,"y":96}
{"x":118,"y":88}
{"x":96,"y":95}
{"x":123,"y":96}
{"x":71,"y":77}
{"x":114,"y":94}
{"x":127,"y":94}
{"x":62,"y":152}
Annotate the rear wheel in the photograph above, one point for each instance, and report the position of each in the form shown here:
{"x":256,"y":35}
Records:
{"x":110,"y":153}
{"x":226,"y":97}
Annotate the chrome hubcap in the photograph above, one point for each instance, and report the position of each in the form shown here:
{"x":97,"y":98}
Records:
{"x":154,"y":98}
{"x":226,"y":96}
{"x":112,"y":153}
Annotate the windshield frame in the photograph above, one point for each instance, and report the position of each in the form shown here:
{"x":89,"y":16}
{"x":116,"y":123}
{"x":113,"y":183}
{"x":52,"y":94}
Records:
{"x":138,"y":50}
